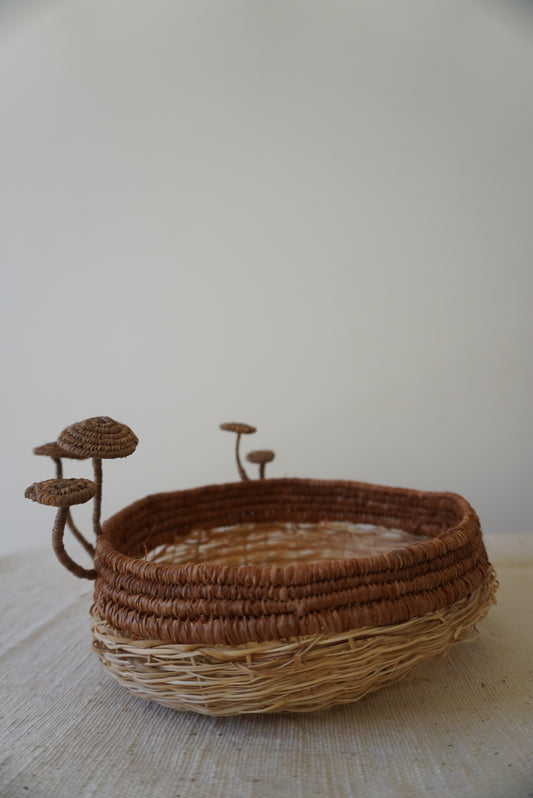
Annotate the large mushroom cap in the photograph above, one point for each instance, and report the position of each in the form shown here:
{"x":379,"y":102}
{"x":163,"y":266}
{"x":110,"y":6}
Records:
{"x":260,"y":456}
{"x":236,"y":426}
{"x":54,"y":450}
{"x":61,"y":492}
{"x":99,"y":437}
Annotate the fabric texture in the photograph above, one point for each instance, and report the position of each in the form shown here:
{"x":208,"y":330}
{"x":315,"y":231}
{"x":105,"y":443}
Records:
{"x":461,"y":726}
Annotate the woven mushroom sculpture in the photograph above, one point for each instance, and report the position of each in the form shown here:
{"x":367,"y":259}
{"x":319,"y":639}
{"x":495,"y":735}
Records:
{"x":63,"y":493}
{"x":261,"y":457}
{"x":100,"y":438}
{"x":239,"y":429}
{"x":56,"y":452}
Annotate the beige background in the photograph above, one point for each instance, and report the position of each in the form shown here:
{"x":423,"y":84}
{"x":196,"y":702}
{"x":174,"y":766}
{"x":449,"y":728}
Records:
{"x":314,"y":217}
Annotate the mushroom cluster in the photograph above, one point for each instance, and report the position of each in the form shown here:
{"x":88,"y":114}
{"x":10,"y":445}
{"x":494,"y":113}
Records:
{"x":102,"y":438}
{"x":259,"y":457}
{"x":98,"y":438}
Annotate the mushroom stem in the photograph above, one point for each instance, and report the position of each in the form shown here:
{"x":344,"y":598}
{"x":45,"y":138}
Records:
{"x":70,"y":523}
{"x":59,"y":548}
{"x":262,"y":470}
{"x":97,"y":464}
{"x":244,"y":476}
{"x":78,"y":535}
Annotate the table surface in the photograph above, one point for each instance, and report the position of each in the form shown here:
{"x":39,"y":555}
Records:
{"x":462,"y":726}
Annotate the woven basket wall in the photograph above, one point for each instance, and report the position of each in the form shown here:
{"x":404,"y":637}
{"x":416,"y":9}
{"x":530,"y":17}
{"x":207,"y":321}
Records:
{"x":221,"y":634}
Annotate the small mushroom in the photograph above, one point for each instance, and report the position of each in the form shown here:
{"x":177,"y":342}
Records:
{"x":63,"y":493}
{"x":239,"y":429}
{"x":261,"y":457}
{"x":56,"y":452}
{"x":100,"y":438}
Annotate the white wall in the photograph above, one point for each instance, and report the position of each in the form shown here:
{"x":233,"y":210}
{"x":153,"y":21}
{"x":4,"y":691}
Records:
{"x":315,"y":217}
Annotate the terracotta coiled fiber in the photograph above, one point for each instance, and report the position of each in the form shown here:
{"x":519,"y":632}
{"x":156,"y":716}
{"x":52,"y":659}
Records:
{"x":100,"y":437}
{"x":219,"y":604}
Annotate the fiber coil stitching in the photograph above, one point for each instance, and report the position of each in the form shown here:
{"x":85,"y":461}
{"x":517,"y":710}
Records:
{"x":220,"y":604}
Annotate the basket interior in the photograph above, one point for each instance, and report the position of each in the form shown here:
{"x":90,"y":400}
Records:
{"x":282,"y":543}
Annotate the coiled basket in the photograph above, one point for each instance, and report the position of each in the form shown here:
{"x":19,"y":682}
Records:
{"x":254,"y":596}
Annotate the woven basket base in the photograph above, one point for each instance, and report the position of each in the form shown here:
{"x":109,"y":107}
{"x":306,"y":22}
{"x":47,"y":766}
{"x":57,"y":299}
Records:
{"x":299,"y":675}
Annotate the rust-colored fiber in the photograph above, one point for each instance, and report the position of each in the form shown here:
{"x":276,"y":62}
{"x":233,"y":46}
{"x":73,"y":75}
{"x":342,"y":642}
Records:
{"x":99,"y":437}
{"x":206,"y":603}
{"x":59,"y":548}
{"x":238,"y":427}
{"x":261,"y":457}
{"x":61,"y":492}
{"x":55,"y":451}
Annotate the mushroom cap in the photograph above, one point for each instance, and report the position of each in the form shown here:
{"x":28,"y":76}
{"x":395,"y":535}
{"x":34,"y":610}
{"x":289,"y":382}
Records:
{"x":237,"y":426}
{"x":54,"y":450}
{"x":61,"y":492}
{"x":260,"y":456}
{"x":99,"y":437}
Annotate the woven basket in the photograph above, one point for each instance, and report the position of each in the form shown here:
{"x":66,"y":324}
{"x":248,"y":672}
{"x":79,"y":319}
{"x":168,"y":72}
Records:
{"x":254,"y":596}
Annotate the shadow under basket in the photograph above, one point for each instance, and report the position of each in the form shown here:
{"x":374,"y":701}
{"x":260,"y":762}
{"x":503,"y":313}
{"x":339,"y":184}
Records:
{"x":284,"y":595}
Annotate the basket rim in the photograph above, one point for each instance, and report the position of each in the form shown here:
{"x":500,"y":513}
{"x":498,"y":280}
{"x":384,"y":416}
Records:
{"x":448,"y":540}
